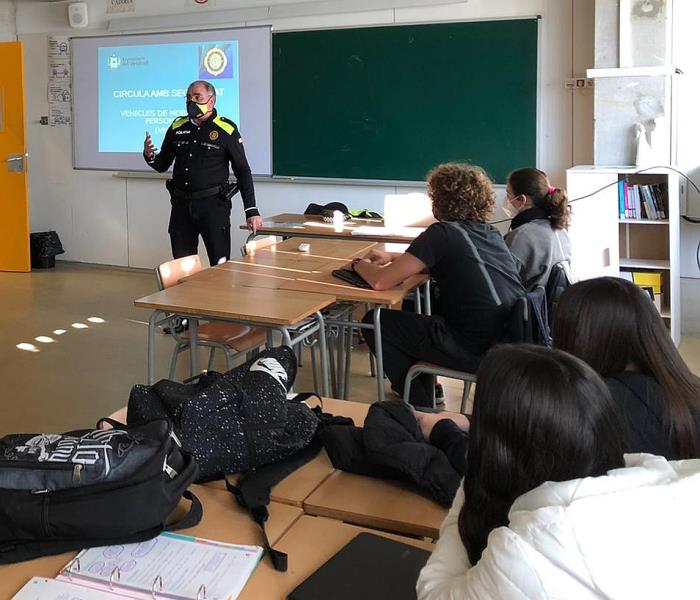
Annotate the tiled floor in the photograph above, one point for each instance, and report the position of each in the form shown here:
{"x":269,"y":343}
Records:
{"x":86,"y":373}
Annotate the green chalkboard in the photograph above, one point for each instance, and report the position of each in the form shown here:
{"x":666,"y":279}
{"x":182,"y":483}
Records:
{"x":391,"y":102}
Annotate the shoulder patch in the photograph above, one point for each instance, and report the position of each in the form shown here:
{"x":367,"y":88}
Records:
{"x":225,"y":124}
{"x":179,"y":122}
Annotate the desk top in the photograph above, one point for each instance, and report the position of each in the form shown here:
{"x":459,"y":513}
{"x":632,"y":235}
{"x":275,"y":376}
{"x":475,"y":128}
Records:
{"x":314,"y":226}
{"x":223,"y":521}
{"x":310,"y":542}
{"x":271,"y":306}
{"x":376,"y":503}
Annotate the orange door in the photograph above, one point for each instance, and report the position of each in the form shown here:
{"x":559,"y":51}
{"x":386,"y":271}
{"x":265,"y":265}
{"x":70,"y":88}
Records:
{"x":14,"y":203}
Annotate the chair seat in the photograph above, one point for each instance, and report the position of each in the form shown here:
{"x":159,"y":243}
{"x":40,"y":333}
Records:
{"x":426,"y":367}
{"x":239,"y":337}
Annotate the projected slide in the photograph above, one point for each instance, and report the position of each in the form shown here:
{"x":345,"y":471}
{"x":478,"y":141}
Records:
{"x":126,"y":85}
{"x":141,"y":89}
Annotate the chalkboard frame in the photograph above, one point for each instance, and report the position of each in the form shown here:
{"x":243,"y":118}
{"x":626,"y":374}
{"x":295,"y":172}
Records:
{"x":285,"y":175}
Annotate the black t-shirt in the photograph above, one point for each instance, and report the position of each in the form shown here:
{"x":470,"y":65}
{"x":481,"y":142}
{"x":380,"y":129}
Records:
{"x":476,"y":276}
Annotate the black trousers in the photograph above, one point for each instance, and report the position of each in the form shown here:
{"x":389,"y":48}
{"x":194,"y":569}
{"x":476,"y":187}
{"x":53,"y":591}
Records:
{"x":209,"y":217}
{"x":408,"y":338}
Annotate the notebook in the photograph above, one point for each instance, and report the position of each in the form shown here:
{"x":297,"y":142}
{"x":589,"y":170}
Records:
{"x":350,"y":276}
{"x":172,"y":565}
{"x":370,"y":567}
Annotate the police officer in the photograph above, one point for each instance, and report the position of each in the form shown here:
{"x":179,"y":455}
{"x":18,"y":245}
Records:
{"x":202,"y":144}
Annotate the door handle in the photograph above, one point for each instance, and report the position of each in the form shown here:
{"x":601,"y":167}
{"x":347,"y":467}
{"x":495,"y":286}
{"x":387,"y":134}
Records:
{"x":16,"y":163}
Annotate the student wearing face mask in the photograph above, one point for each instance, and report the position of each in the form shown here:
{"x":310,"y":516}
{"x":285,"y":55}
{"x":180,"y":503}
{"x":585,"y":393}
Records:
{"x":537,"y":239}
{"x":202,"y":145}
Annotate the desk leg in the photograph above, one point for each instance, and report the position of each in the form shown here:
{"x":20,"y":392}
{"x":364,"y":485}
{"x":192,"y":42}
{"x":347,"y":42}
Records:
{"x":348,"y":355}
{"x":152,"y":346}
{"x":323,"y":351}
{"x":378,"y":353}
{"x":193,"y":346}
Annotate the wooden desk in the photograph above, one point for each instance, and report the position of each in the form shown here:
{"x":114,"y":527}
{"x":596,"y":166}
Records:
{"x":312,"y":226}
{"x":376,"y":503}
{"x":310,"y":542}
{"x":296,"y":487}
{"x":324,"y":248}
{"x":223,"y":520}
{"x":272,"y":308}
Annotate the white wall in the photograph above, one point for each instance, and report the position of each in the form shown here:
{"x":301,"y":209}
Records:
{"x":109,"y":220}
{"x":8,"y":21}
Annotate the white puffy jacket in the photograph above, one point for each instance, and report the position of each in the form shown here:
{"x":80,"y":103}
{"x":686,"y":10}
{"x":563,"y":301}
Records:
{"x":633,"y":533}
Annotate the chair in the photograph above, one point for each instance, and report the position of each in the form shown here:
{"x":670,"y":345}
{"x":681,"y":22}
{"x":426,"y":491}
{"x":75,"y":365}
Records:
{"x":560,"y":278}
{"x":231,"y":338}
{"x":438,"y":371}
{"x":526,"y":323}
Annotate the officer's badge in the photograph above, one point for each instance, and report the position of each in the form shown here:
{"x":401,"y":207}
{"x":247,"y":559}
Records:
{"x":213,"y":135}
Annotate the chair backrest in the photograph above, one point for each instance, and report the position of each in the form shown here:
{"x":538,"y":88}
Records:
{"x":528,"y":321}
{"x":170,"y":273}
{"x":258,"y":244}
{"x":559,"y":279}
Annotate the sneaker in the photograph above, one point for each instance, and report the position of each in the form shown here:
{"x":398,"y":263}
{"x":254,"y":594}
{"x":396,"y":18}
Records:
{"x":439,"y":394}
{"x":180,"y":325}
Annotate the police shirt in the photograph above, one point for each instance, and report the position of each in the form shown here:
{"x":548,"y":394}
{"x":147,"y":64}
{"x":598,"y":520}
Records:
{"x":202,"y":154}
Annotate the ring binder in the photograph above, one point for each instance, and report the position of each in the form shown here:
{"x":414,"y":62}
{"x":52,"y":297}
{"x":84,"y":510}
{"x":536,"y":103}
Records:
{"x":158,"y":581}
{"x":69,"y":569}
{"x":111,"y":578}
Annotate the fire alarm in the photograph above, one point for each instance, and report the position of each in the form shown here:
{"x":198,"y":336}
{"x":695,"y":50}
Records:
{"x":78,"y":14}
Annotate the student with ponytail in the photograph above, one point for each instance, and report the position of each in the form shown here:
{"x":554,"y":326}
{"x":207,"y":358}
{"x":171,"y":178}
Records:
{"x":540,"y":216}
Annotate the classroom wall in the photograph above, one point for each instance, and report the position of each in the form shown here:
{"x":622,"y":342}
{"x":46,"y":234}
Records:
{"x":110,"y":220}
{"x":8,"y":21}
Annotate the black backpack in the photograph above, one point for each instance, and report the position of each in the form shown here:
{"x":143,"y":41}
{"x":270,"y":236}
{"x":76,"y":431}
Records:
{"x":236,"y":421}
{"x":61,"y":492}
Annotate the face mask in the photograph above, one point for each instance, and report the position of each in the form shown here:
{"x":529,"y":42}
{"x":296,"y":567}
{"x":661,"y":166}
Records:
{"x":195,"y":110}
{"x":509,"y":209}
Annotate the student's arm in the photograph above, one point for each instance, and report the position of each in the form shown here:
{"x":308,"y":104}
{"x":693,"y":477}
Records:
{"x":389,"y":276}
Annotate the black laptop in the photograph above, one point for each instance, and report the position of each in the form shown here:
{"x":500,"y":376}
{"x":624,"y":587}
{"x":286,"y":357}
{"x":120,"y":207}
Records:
{"x":352,"y":277}
{"x":370,"y":567}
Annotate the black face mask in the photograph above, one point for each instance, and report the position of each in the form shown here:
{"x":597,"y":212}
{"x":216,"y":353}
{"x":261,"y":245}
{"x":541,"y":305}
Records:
{"x":195,"y":110}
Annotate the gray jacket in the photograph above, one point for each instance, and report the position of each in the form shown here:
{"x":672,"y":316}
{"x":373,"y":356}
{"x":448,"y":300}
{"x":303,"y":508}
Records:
{"x":536,"y":248}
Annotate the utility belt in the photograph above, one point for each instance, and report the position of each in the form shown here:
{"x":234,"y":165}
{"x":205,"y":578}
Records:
{"x":225,"y":190}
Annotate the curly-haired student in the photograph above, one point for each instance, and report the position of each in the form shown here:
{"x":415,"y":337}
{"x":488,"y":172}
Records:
{"x":475,"y":274}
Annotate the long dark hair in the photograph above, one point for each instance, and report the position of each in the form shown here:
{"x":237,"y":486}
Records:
{"x":534,"y":184}
{"x":539,"y":415}
{"x":612,"y":324}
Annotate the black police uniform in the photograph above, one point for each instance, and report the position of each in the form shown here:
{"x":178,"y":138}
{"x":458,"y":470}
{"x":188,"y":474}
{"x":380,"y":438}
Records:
{"x":199,"y":190}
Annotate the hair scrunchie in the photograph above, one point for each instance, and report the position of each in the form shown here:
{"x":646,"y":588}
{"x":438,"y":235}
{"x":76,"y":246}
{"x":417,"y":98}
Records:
{"x":551,"y":190}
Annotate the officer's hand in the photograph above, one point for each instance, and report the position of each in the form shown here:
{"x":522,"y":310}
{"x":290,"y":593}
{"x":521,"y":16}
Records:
{"x":254,"y":223}
{"x":149,"y":150}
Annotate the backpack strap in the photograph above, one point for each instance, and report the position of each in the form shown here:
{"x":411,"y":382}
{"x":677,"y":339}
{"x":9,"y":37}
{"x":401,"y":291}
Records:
{"x":193,"y":516}
{"x":253,"y":492}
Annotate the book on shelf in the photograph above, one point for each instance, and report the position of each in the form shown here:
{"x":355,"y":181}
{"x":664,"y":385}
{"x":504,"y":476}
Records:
{"x":173,"y":566}
{"x":646,"y":202}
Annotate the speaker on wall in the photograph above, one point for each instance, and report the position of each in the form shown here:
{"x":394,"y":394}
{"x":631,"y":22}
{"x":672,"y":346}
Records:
{"x":78,"y":14}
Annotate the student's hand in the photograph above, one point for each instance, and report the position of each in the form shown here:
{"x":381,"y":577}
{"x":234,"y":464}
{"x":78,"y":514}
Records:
{"x":149,"y":150}
{"x":427,"y":421}
{"x":254,"y":223}
{"x":378,"y":257}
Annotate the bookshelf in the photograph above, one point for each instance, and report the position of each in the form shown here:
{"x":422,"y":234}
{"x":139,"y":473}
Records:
{"x":603,"y":243}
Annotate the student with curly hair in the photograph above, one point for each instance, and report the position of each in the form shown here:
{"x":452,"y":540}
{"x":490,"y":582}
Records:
{"x":474,"y":272}
{"x":540,"y":217}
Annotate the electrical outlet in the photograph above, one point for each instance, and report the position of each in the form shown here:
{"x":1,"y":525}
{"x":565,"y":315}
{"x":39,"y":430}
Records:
{"x":578,"y":83}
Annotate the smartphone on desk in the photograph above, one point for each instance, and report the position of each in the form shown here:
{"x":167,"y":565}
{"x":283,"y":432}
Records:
{"x":351,"y":277}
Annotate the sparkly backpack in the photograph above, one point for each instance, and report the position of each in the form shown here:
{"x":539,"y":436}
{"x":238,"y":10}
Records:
{"x":236,"y":421}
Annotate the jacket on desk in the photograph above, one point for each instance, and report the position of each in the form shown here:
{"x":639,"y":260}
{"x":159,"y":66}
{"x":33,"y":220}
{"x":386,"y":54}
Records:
{"x":390,"y":446}
{"x":631,"y":534}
